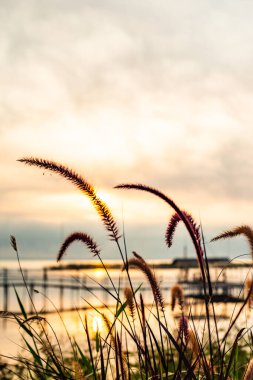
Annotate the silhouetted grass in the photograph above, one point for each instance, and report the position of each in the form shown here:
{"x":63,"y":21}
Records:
{"x":137,"y":340}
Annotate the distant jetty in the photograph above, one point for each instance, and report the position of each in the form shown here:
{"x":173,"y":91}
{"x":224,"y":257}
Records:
{"x":183,"y":263}
{"x":77,"y":281}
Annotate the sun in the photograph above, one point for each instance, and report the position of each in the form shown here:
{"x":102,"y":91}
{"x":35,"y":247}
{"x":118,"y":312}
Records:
{"x":97,"y":324}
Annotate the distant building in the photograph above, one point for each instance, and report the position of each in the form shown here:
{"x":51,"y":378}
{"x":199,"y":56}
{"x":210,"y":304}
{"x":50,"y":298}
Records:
{"x":193,"y":263}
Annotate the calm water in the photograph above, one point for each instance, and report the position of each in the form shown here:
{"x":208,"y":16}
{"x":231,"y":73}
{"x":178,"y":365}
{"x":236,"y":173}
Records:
{"x":33,"y":270}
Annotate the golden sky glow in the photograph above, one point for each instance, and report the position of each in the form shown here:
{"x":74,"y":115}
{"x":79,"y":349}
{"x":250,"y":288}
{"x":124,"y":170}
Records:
{"x":125,"y":91}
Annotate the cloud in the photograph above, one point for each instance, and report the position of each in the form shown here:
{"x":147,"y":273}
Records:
{"x":83,"y":56}
{"x":127,"y":91}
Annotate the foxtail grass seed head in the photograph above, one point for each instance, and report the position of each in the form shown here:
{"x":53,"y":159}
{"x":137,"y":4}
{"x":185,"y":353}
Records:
{"x":139,"y":257}
{"x":174,"y":220}
{"x":77,"y":369}
{"x":85,"y":187}
{"x":122,"y":358}
{"x":245,"y":230}
{"x":249,"y":371}
{"x":109,"y":328}
{"x":192,"y":343}
{"x":130,"y":301}
{"x":13,"y":243}
{"x":184,"y":216}
{"x":139,"y":263}
{"x":108,"y":325}
{"x":82,"y":237}
{"x":177,"y":296}
{"x":183,"y":329}
{"x":248,"y":288}
{"x":142,"y":306}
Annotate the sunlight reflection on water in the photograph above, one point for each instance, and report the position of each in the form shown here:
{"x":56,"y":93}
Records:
{"x":74,"y":320}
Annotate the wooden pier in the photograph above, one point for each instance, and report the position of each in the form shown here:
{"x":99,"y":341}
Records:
{"x":223,"y":291}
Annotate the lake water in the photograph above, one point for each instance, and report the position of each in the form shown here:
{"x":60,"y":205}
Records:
{"x":49,"y":298}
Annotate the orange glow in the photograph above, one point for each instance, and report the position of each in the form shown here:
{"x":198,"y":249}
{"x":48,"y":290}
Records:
{"x":97,"y":324}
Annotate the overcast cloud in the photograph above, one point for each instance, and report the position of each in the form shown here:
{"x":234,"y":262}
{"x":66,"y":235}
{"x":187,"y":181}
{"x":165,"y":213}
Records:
{"x":125,"y":91}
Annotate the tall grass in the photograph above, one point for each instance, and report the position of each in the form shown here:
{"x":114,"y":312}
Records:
{"x":137,"y":340}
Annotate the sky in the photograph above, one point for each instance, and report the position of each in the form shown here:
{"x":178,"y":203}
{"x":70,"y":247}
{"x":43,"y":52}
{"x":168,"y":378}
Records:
{"x":154,"y":92}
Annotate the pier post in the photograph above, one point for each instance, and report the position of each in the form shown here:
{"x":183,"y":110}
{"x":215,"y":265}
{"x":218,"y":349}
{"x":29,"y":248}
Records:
{"x":31,"y":291}
{"x":61,"y":295}
{"x":25,"y":272}
{"x":5,"y":288}
{"x":45,"y":285}
{"x":72,"y":294}
{"x":24,"y":293}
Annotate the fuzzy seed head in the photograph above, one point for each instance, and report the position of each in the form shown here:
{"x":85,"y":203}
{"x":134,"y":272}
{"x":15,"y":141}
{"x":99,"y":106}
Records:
{"x":192,"y":343}
{"x":183,"y":329}
{"x":13,"y":243}
{"x":177,"y":296}
{"x":130,"y":301}
{"x":248,"y":288}
{"x":249,"y":371}
{"x":139,"y":263}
